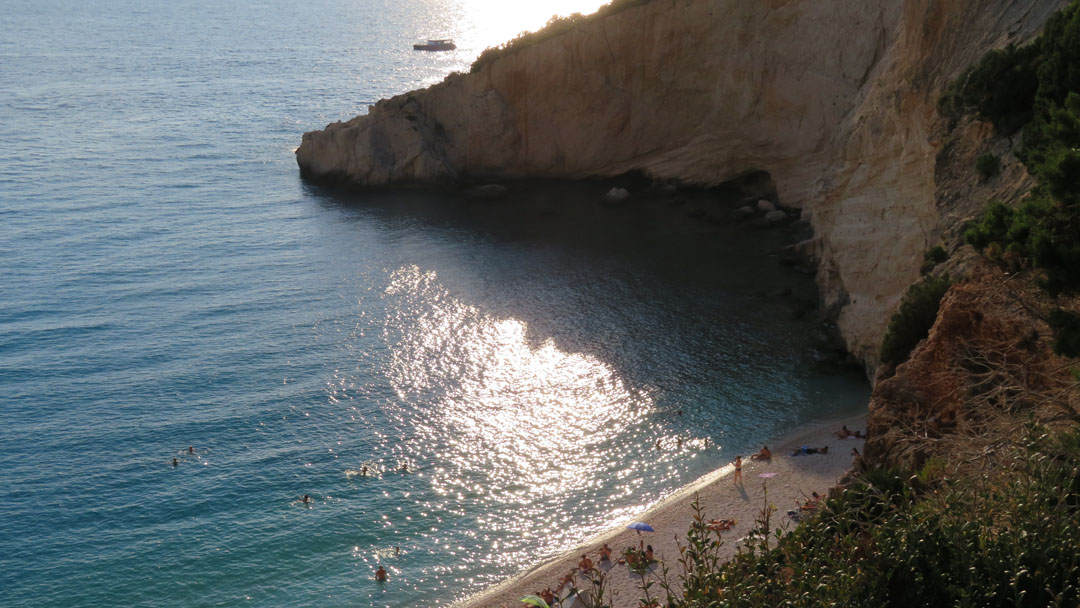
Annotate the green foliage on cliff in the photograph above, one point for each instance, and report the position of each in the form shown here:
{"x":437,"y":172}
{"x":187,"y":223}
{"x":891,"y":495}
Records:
{"x":988,"y":166}
{"x":912,"y":321}
{"x":934,"y":256}
{"x":555,"y":26}
{"x":1037,"y":88}
{"x":1007,"y":539}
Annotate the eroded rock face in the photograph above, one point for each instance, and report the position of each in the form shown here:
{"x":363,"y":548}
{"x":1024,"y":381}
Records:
{"x":835,"y":99}
{"x":985,"y":369}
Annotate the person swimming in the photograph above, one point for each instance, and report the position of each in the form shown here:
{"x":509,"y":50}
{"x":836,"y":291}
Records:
{"x":175,"y":462}
{"x":306,"y":499}
{"x":190,"y":449}
{"x":380,"y":575}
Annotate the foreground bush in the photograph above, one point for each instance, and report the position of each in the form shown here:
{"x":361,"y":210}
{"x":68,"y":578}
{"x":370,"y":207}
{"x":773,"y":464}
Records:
{"x":1008,"y":539}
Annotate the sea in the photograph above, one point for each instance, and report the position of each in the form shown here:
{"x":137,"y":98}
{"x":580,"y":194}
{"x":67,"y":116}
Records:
{"x":193,"y":338}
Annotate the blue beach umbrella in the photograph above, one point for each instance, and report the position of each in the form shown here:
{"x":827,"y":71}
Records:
{"x":640,"y":526}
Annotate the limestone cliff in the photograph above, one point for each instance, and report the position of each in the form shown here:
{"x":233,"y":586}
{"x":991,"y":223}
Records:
{"x":835,"y":99}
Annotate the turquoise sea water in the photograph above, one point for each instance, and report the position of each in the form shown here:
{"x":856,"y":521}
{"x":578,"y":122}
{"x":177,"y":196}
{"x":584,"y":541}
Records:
{"x":167,"y":280}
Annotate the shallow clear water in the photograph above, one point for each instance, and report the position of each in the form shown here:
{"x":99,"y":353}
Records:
{"x":168,"y":280}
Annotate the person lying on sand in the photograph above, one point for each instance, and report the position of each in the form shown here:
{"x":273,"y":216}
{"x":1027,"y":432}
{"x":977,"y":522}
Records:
{"x":719,"y":525}
{"x":811,"y":503}
{"x":806,"y":450}
{"x":547,"y":595}
{"x":764,"y":454}
{"x":585,"y":564}
{"x":844,"y":433}
{"x":566,"y":580}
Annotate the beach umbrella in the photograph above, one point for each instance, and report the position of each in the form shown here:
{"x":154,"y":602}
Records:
{"x":640,"y":526}
{"x":533,"y":600}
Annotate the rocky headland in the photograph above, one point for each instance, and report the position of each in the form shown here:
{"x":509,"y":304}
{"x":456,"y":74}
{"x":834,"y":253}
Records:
{"x":835,"y":100}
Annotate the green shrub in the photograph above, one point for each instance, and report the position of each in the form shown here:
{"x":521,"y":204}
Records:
{"x":912,"y":321}
{"x":932,"y":258}
{"x":1066,"y":326}
{"x":988,"y":166}
{"x":1003,"y":86}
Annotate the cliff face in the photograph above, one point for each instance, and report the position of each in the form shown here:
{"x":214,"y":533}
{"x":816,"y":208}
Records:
{"x":835,"y":99}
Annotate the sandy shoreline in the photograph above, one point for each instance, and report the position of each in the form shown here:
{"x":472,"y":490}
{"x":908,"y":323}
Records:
{"x":796,"y":477}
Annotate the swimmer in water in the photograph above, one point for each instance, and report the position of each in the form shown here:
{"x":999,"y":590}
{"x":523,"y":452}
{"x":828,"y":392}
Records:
{"x":306,"y":499}
{"x":380,"y":575}
{"x":175,"y":462}
{"x":190,"y":449}
{"x":363,"y":471}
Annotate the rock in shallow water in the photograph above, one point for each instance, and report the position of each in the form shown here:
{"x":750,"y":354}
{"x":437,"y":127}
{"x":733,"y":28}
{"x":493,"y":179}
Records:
{"x":776,"y":217}
{"x":488,"y":192}
{"x":616,"y":195}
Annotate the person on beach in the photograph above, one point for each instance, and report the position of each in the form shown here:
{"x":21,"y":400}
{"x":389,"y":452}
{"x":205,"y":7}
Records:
{"x":605,"y":553}
{"x":585,"y":564}
{"x":811,"y":503}
{"x":738,"y":470}
{"x":806,"y":450}
{"x":380,"y":575}
{"x":547,"y":595}
{"x":764,"y":454}
{"x":649,"y":554}
{"x":844,"y":433}
{"x":566,"y":580}
{"x":720,"y":525}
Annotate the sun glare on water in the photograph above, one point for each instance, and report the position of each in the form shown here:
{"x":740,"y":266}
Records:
{"x":505,"y":405}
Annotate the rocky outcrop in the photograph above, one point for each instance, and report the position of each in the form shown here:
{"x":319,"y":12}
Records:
{"x":835,"y":99}
{"x":985,"y":370}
